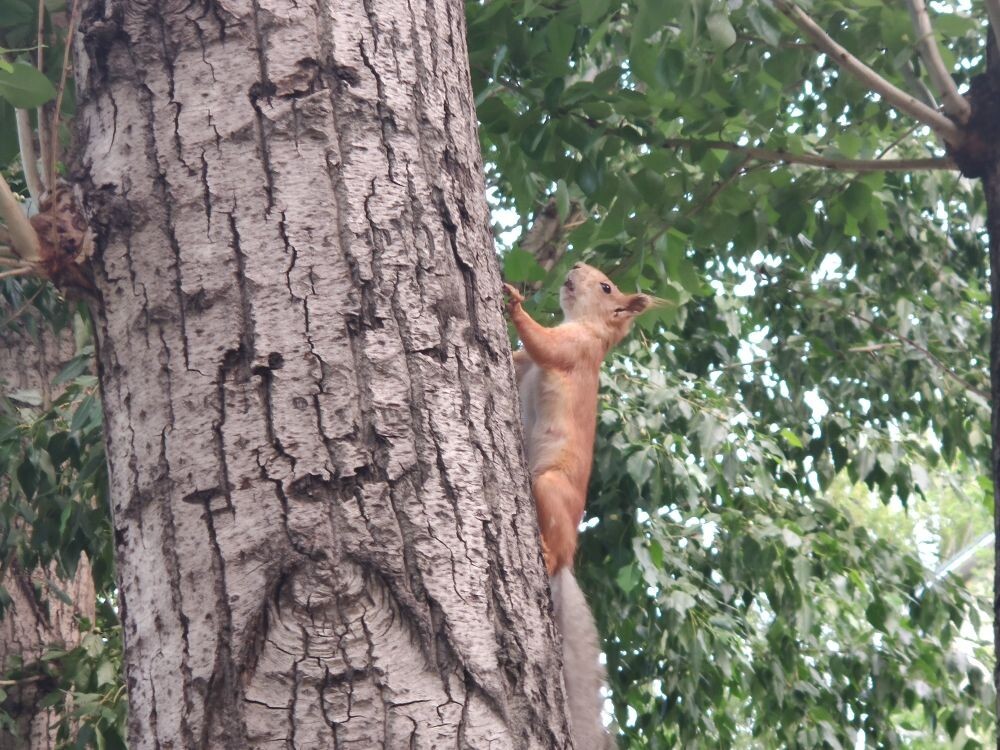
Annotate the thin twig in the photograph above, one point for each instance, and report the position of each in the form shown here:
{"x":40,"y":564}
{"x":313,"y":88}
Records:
{"x":26,"y":145}
{"x":19,"y":271}
{"x":20,"y":311}
{"x":816,"y":160}
{"x":41,"y":36}
{"x":945,"y":128}
{"x":719,"y":187}
{"x":934,"y":359}
{"x":953,"y":102}
{"x":45,"y":146}
{"x":877,"y":346}
{"x":24,"y":238}
{"x":23,"y":680}
{"x":74,"y":19}
{"x":906,"y":134}
{"x":993,"y":12}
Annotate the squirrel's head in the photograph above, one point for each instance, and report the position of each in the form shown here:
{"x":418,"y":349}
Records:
{"x":589,"y":295}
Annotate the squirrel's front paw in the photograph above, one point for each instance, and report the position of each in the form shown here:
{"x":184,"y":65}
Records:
{"x":515,"y":297}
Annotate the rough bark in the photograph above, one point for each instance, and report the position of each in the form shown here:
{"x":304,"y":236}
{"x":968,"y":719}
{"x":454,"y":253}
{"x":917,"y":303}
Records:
{"x":324,"y":534}
{"x":30,"y":627}
{"x":991,"y":188}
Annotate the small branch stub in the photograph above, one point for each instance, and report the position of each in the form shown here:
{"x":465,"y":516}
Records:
{"x":53,"y":243}
{"x":64,"y":240}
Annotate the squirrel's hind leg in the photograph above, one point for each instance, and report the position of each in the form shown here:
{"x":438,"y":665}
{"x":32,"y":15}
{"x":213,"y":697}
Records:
{"x":559,"y":506}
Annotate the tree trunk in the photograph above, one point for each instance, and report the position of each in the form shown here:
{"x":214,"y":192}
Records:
{"x":990,"y":83}
{"x":324,"y":533}
{"x":30,"y":627}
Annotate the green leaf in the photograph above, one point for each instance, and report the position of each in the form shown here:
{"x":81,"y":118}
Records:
{"x":51,"y":699}
{"x":29,"y":396}
{"x":106,"y":673}
{"x":562,"y":199}
{"x":520,"y":266}
{"x":721,"y":30}
{"x":791,"y":438}
{"x":640,"y":466}
{"x":680,"y":601}
{"x":24,"y":87}
{"x":876,"y":613}
{"x":628,"y":577}
{"x":763,"y":27}
{"x":16,"y":13}
{"x":593,"y":10}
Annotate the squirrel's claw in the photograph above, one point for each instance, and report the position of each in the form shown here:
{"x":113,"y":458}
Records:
{"x":516,"y":298}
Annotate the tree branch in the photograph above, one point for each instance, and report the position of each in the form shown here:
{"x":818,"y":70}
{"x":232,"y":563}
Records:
{"x":24,"y":238}
{"x":26,"y":145}
{"x":546,"y":239}
{"x":945,"y":128}
{"x":931,"y":357}
{"x":959,"y":563}
{"x":912,"y":77}
{"x":74,"y":19}
{"x":44,"y":147}
{"x":816,"y":160}
{"x":953,"y":102}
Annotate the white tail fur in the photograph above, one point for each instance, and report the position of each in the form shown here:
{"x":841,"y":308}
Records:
{"x":581,"y":663}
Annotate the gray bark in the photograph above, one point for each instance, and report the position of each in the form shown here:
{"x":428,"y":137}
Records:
{"x":31,"y":627}
{"x":324,"y":533}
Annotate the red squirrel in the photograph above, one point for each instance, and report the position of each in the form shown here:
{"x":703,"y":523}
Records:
{"x":557,"y":377}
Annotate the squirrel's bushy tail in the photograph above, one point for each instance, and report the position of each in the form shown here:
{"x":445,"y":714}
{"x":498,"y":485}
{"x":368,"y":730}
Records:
{"x":582,"y":668}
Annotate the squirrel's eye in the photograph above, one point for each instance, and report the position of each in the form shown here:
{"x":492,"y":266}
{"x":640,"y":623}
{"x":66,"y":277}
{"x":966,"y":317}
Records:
{"x":606,"y":287}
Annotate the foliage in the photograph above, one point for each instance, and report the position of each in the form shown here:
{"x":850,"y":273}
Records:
{"x":84,"y":688}
{"x":52,"y":455}
{"x":823,"y":325}
{"x":734,"y":587}
{"x":55,"y":509}
{"x":21,"y":84}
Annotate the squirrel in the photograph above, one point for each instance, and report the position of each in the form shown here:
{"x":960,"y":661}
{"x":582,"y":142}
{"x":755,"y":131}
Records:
{"x":557,"y":375}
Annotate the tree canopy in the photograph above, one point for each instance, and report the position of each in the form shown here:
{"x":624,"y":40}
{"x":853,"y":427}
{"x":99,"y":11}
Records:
{"x":824,"y":336}
{"x":826,"y":319}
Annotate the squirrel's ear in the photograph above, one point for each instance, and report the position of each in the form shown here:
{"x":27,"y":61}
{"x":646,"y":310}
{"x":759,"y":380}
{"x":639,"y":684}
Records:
{"x":635,"y":304}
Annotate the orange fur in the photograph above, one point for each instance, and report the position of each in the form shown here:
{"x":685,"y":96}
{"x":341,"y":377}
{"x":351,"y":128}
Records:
{"x":557,"y":377}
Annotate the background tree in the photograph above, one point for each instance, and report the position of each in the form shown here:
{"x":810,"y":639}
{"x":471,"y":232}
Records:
{"x":46,"y":596}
